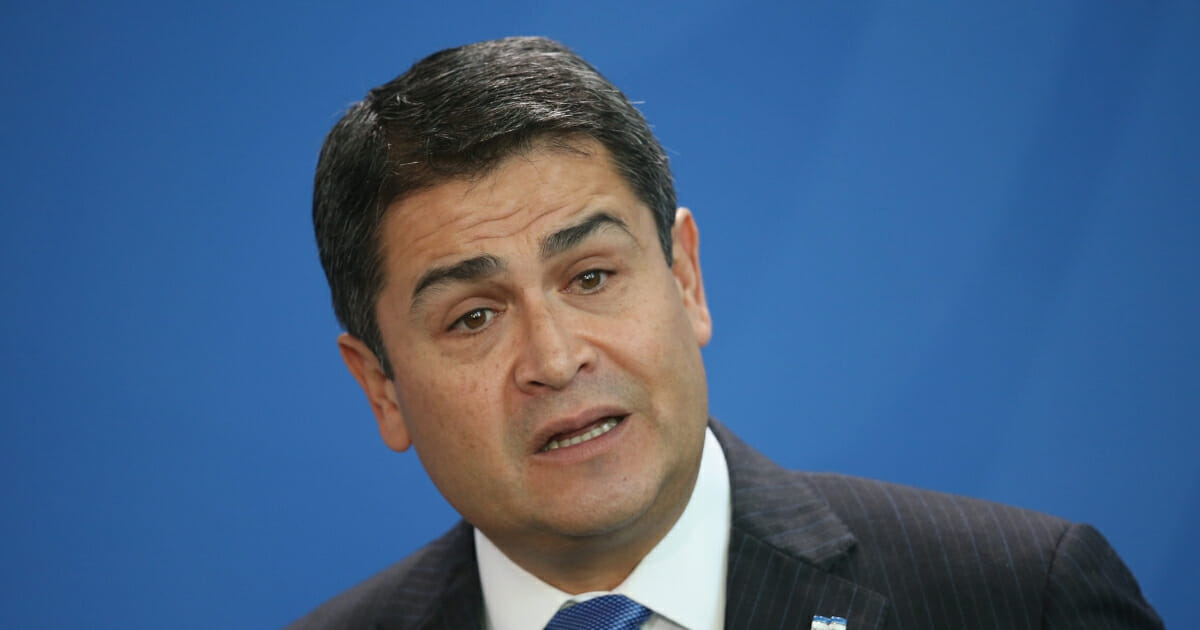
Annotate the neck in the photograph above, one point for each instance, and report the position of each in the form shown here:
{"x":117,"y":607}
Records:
{"x":585,"y":571}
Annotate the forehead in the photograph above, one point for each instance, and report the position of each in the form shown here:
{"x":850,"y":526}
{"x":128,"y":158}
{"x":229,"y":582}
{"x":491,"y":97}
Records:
{"x":526,"y":196}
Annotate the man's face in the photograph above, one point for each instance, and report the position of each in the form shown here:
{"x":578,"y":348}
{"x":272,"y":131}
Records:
{"x":546,"y":358}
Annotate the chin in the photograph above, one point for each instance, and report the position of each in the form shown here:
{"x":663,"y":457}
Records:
{"x":622,"y":512}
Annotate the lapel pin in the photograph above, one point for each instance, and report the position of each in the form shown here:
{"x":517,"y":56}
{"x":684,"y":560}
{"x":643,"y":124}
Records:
{"x":828,"y":623}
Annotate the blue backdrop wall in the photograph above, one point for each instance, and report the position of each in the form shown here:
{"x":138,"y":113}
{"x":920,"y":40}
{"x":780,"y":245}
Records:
{"x":949,"y":245}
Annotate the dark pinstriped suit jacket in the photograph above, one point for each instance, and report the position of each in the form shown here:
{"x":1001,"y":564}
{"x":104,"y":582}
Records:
{"x":801,"y":544}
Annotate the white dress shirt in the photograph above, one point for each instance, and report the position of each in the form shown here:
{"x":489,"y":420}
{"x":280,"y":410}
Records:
{"x":682,"y":580}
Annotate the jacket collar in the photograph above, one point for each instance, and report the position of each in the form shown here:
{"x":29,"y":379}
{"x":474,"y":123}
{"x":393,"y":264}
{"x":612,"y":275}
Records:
{"x":780,"y":508}
{"x":787,"y":550}
{"x":439,"y":589}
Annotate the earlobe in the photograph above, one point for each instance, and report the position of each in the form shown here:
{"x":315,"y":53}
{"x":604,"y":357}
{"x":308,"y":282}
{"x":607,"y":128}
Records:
{"x":686,"y":268}
{"x":380,"y":390}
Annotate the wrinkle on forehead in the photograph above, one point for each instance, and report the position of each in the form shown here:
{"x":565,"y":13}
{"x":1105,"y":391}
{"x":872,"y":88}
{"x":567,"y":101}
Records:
{"x":483,"y":190}
{"x":474,"y":222}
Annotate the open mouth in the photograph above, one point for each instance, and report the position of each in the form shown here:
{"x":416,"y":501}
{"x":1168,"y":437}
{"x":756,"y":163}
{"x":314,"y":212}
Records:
{"x":591,"y":432}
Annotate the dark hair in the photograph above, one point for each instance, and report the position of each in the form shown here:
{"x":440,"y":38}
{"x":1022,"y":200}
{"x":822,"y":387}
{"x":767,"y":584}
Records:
{"x":458,"y":113}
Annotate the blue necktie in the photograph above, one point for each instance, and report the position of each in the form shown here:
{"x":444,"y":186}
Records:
{"x":608,"y":612}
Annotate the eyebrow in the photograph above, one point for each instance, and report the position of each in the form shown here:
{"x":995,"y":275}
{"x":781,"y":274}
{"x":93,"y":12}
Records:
{"x":479,"y":267}
{"x":566,"y":238}
{"x":464,"y":271}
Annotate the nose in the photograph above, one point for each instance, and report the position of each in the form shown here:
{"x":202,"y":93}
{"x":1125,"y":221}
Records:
{"x":551,"y":352}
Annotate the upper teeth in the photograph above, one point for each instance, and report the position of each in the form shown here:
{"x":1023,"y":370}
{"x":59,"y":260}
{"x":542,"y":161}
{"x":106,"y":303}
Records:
{"x":601,"y":429}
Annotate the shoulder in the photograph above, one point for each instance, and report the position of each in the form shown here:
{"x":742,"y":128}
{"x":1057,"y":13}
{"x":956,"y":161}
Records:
{"x":996,"y":561}
{"x":408,"y":593}
{"x":880,"y":511}
{"x":941,"y":560}
{"x":883,"y":519}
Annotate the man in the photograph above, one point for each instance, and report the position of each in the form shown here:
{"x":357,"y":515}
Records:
{"x":524,"y":307}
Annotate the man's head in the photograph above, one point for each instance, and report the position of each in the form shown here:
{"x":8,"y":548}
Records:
{"x":545,"y":354}
{"x":458,"y":113}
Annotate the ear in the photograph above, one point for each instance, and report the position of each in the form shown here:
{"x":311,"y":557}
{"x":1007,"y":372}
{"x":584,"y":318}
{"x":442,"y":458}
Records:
{"x":380,"y":390}
{"x":685,"y":266}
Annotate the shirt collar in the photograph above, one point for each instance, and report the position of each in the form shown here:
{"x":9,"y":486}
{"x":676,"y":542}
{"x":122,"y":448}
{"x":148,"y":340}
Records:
{"x":685,"y":569}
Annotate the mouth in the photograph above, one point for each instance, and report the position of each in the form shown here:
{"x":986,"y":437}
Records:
{"x":584,"y":434}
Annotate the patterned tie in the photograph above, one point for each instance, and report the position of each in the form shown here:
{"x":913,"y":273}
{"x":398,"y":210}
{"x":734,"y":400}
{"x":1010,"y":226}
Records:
{"x":608,"y":612}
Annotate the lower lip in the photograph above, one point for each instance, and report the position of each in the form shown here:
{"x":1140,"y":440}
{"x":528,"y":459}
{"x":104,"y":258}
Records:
{"x":584,"y":450}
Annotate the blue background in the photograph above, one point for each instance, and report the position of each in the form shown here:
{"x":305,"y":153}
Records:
{"x":948,"y":245}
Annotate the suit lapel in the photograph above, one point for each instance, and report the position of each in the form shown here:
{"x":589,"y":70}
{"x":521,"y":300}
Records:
{"x":785,"y":546}
{"x":441,"y":589}
{"x":461,"y":607}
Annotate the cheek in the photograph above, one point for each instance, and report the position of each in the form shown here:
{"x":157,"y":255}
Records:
{"x":654,"y":338}
{"x":448,"y":406}
{"x":455,"y":434}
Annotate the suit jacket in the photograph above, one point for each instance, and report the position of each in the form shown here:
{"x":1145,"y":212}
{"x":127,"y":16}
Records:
{"x":804,"y":544}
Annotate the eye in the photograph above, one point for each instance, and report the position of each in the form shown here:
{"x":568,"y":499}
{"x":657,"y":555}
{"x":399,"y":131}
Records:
{"x":591,"y":280}
{"x":474,"y":320}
